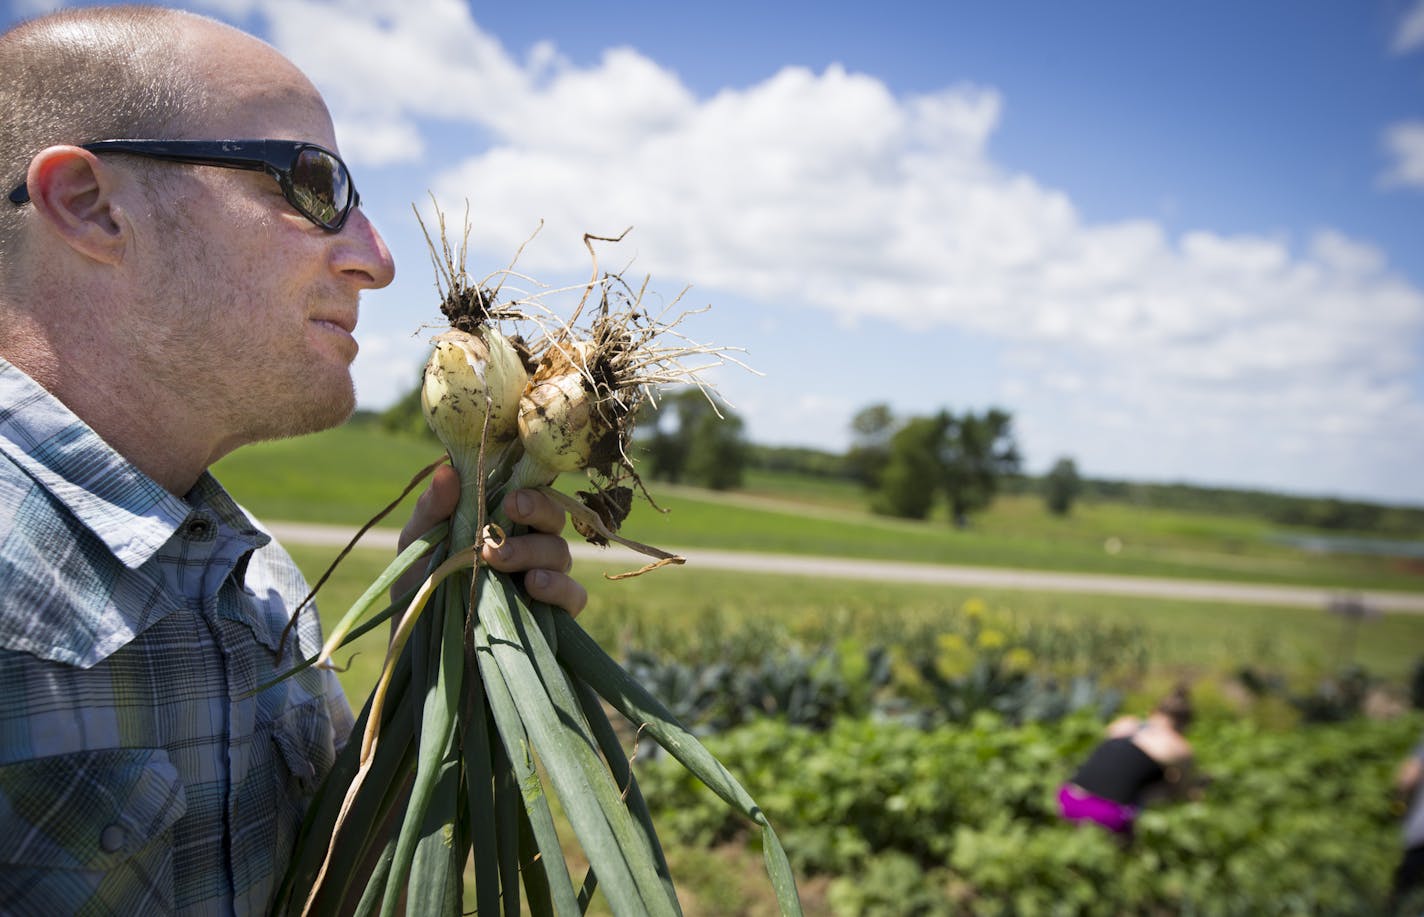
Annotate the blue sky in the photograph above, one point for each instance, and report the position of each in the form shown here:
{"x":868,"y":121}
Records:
{"x":1176,"y":241}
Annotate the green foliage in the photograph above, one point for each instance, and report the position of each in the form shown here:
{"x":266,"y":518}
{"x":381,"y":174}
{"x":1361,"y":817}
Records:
{"x":716,"y":453}
{"x":911,"y":462}
{"x":406,"y":417}
{"x":1333,"y":698}
{"x":923,"y":673}
{"x":889,"y":885}
{"x":976,"y":451}
{"x":1061,"y":487}
{"x":801,"y":461}
{"x":962,"y":820}
{"x":872,"y":429}
{"x":705,"y":446}
{"x":907,"y":487}
{"x":808,"y":689}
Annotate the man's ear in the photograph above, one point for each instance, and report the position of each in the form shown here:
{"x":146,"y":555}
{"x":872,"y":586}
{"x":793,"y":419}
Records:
{"x":73,"y":191}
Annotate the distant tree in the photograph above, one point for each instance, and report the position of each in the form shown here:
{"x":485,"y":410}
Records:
{"x":976,"y":451}
{"x":716,"y":451}
{"x":909,"y":479}
{"x":871,"y":431}
{"x":801,"y":460}
{"x":684,"y":439}
{"x":406,"y":415}
{"x":662,"y":451}
{"x":1061,"y":487}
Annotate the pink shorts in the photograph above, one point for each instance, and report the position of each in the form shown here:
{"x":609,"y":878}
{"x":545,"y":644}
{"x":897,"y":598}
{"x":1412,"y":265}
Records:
{"x":1075,"y":804}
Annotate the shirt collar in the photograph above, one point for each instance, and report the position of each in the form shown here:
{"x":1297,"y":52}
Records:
{"x":125,"y":508}
{"x":139,"y":522}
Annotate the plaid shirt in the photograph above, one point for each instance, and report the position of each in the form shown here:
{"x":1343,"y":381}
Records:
{"x":139,"y":774}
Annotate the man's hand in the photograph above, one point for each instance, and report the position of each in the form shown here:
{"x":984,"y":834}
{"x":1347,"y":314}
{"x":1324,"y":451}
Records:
{"x":542,"y":554}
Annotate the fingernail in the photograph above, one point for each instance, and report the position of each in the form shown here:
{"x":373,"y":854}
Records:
{"x":523,"y":503}
{"x":536,"y":578}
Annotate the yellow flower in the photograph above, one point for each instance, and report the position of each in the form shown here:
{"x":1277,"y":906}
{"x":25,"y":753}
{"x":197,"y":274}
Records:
{"x":950,"y":643}
{"x":1018,"y":659}
{"x":990,"y":639}
{"x":954,"y":658}
{"x":974,"y":608}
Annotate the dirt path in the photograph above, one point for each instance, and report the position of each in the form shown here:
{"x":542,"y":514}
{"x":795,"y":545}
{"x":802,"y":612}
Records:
{"x":618,"y":560}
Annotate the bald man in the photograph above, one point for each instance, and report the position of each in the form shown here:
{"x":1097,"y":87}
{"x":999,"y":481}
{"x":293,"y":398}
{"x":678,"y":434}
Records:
{"x":182,"y":251}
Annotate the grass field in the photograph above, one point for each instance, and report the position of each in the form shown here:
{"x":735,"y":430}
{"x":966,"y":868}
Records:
{"x":346,"y":475}
{"x":676,"y":608}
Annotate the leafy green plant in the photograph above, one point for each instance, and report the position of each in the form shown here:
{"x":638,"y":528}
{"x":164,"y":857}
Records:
{"x":961,"y":819}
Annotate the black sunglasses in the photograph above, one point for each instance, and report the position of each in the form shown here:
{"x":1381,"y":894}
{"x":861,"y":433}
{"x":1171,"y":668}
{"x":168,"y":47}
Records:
{"x":314,"y":180}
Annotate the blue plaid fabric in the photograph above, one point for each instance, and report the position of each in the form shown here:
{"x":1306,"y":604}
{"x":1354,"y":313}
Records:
{"x":140,"y":770}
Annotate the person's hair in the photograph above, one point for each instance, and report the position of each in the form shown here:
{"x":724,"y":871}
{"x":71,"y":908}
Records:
{"x":83,"y":75}
{"x":1177,"y":707}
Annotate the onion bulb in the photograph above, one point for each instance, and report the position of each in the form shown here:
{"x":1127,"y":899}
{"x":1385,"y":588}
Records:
{"x":468,"y":378}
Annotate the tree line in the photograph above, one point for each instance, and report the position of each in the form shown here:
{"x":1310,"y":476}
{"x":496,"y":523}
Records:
{"x":910,"y":465}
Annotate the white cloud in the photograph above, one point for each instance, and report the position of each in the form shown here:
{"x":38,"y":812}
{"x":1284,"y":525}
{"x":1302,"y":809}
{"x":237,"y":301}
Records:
{"x":1410,"y":34}
{"x":1405,"y":143}
{"x":826,"y":194}
{"x":382,"y":64}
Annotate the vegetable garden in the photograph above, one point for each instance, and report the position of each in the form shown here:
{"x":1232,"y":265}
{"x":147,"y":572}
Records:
{"x":907,"y":741}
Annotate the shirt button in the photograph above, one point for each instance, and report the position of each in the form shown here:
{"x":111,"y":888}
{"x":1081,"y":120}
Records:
{"x":112,"y":838}
{"x":199,"y":528}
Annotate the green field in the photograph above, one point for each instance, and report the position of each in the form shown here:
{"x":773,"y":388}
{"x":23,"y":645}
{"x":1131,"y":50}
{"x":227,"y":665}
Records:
{"x":343,"y":477}
{"x":672,"y":607}
{"x":984,"y":829}
{"x":346,"y":476}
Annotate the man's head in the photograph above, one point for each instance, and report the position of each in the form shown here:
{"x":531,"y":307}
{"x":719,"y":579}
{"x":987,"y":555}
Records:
{"x":197,"y":285}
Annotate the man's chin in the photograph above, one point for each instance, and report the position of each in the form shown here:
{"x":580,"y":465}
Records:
{"x":315,"y":414}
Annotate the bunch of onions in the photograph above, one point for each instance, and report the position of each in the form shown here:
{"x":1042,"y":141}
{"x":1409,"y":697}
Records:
{"x":488,"y":701}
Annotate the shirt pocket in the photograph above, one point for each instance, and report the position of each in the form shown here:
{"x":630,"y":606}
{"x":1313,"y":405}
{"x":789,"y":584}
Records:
{"x":89,"y":833}
{"x":306,"y":751}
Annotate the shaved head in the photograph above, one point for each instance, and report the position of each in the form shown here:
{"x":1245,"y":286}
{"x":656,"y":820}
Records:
{"x":92,"y":74}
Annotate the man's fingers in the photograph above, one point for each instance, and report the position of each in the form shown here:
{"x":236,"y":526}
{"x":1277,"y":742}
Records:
{"x":545,"y":560}
{"x":541,"y":554}
{"x":434,"y":505}
{"x":556,"y":589}
{"x":534,"y":551}
{"x":535,"y":510}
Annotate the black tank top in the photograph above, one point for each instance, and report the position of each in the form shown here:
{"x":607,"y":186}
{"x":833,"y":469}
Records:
{"x":1118,"y":770}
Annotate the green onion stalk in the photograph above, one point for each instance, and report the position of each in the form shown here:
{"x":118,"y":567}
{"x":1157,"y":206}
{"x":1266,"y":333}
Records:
{"x":488,"y":702}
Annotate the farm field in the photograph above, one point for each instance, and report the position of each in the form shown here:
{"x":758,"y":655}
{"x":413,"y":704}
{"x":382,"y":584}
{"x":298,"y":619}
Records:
{"x":1258,"y":834}
{"x":906,"y":740}
{"x":688,"y":613}
{"x":346,"y":476}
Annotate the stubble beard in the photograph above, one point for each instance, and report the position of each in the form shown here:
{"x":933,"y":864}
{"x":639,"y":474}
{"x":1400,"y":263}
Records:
{"x":320,"y":407}
{"x":286,"y":390}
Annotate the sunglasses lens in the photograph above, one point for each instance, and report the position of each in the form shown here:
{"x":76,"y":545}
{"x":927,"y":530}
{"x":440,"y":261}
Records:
{"x":321,"y":187}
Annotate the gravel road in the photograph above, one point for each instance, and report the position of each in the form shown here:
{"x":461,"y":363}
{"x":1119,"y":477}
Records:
{"x":618,"y":560}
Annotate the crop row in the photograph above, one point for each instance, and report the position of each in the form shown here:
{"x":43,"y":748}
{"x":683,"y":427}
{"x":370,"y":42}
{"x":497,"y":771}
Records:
{"x":960,"y":819}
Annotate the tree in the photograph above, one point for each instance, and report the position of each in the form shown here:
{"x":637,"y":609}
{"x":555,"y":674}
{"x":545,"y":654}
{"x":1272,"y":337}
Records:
{"x":872,"y":428}
{"x":908,"y":480}
{"x":702,"y":448}
{"x":976,"y":451}
{"x":716,"y":451}
{"x":1061,"y":487}
{"x":407,"y":415}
